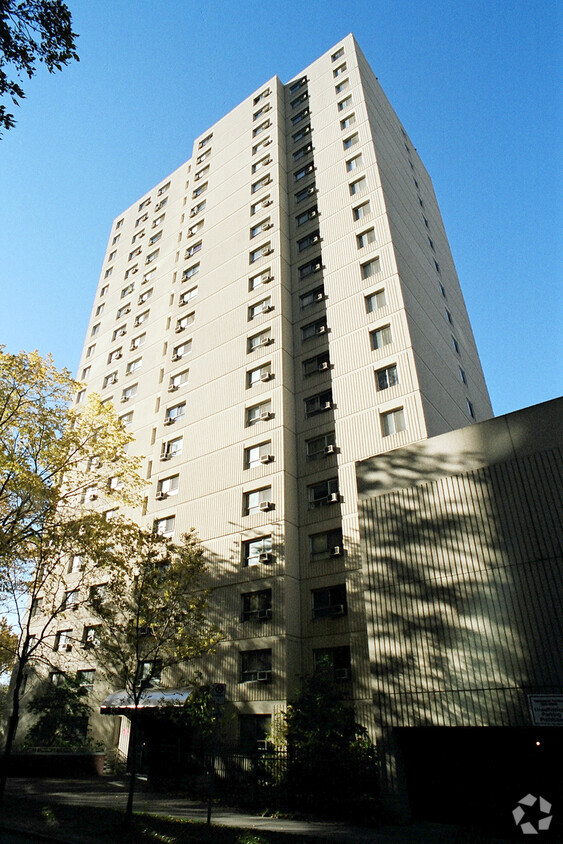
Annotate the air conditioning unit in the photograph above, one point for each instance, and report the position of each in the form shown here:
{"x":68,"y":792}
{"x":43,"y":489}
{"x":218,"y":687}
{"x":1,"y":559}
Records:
{"x":265,"y":415}
{"x":321,"y":329}
{"x":264,"y":676}
{"x":135,"y":270}
{"x":266,"y":376}
{"x":160,"y":496}
{"x":93,"y":497}
{"x":122,"y":333}
{"x":165,"y":456}
{"x":264,"y":615}
{"x":327,"y":405}
{"x":117,"y":356}
{"x":335,"y":551}
{"x":180,"y":328}
{"x":172,"y":388}
{"x":124,"y":399}
{"x":319,"y":297}
{"x":337,"y":609}
{"x":323,"y":366}
{"x":334,"y":497}
{"x":193,"y":212}
{"x":267,"y":309}
{"x":266,"y":203}
{"x":267,"y":278}
{"x":267,"y":142}
{"x":266,"y":458}
{"x":169,"y":420}
{"x":267,"y":251}
{"x":127,"y":311}
{"x":265,"y":505}
{"x":267,"y":180}
{"x":265,"y":557}
{"x":267,"y":226}
{"x":341,"y":673}
{"x":176,"y":357}
{"x":266,"y":341}
{"x":317,"y":268}
{"x":330,"y":449}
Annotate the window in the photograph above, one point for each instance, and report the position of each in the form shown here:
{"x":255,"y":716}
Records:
{"x":256,"y":455}
{"x":295,"y":86}
{"x":262,"y":203}
{"x":347,"y":122}
{"x":172,"y":448}
{"x":177,"y":411}
{"x":76,"y":564}
{"x":380,"y":337}
{"x":257,"y":229}
{"x":323,"y":493}
{"x":262,"y":278}
{"x":305,"y":193}
{"x":263,"y":338}
{"x":100,"y":309}
{"x":259,"y":374}
{"x":137,"y":236}
{"x":110,"y":379}
{"x":309,"y":240}
{"x":161,"y":203}
{"x":35,"y":609}
{"x":197,"y":209}
{"x":300,"y":116}
{"x":141,"y":219}
{"x":362,"y":210}
{"x":181,"y":350}
{"x":152,"y":256}
{"x":370,"y":268}
{"x":319,"y":403}
{"x":205,"y":141}
{"x":261,"y":183}
{"x":430,"y":243}
{"x":132,"y":270}
{"x":436,"y":266}
{"x":462,"y":375}
{"x":256,"y":501}
{"x":155,"y":238}
{"x":126,"y":418}
{"x":95,"y":329}
{"x":261,"y":96}
{"x":470,"y":409}
{"x":345,"y":103}
{"x":321,"y":446}
{"x":256,"y":606}
{"x":123,"y":310}
{"x":107,"y":274}
{"x":319,"y":363}
{"x":307,"y":215}
{"x":312,"y":297}
{"x":134,"y":365}
{"x":365,"y":238}
{"x":168,"y":486}
{"x":85,"y":678}
{"x":190,"y":272}
{"x":57,"y":678}
{"x":257,"y":551}
{"x":254,"y":731}
{"x":157,"y":221}
{"x":295,"y":103}
{"x":184,"y":322}
{"x":302,"y":152}
{"x":86,"y":372}
{"x":203,"y":156}
{"x":329,"y":602}
{"x":112,"y":255}
{"x":387,"y":377}
{"x":301,"y":133}
{"x":393,"y":422}
{"x":256,"y":666}
{"x":347,"y":143}
{"x":125,"y":291}
{"x":358,"y":186}
{"x":71,"y":598}
{"x":188,"y":295}
{"x":119,"y":224}
{"x":260,"y":128}
{"x":165,"y":526}
{"x":374,"y":301}
{"x":442,"y":289}
{"x":354,"y":163}
{"x":138,"y":341}
{"x":195,"y":228}
{"x":313,"y":266}
{"x":201,"y":189}
{"x":263,"y":162}
{"x":129,"y":392}
{"x":303,"y":172}
{"x":449,"y":317}
{"x":338,"y":55}
{"x":80,"y":396}
{"x":201,"y":173}
{"x":259,"y":413}
{"x":134,"y":253}
{"x":455,"y":345}
{"x":91,"y":636}
{"x":338,"y":71}
{"x":314,"y":329}
{"x":176,"y":381}
{"x":338,"y":659}
{"x":264,"y":306}
{"x":144,"y":203}
{"x":63,"y":640}
{"x":342,"y":86}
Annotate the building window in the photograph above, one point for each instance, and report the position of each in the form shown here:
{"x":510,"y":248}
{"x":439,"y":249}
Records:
{"x":165,"y":526}
{"x":361,"y":211}
{"x":470,"y":409}
{"x":100,"y":309}
{"x":71,"y":598}
{"x":303,"y":172}
{"x":35,"y":609}
{"x":129,"y":393}
{"x":347,"y":143}
{"x":380,"y":337}
{"x":181,"y":350}
{"x":125,"y":291}
{"x":178,"y":380}
{"x":126,"y":418}
{"x":263,"y":338}
{"x":436,"y":266}
{"x":393,"y":422}
{"x":302,"y":152}
{"x":134,"y":365}
{"x":138,"y":341}
{"x":256,"y":501}
{"x":263,"y":225}
{"x":263,"y":162}
{"x":107,"y":274}
{"x":370,"y":268}
{"x":137,"y":236}
{"x":80,"y":396}
{"x":347,"y":122}
{"x":201,"y":173}
{"x":57,"y":678}
{"x":90,"y":350}
{"x":354,"y":163}
{"x":261,"y":252}
{"x":307,"y":215}
{"x":256,"y":606}
{"x":63,"y":640}
{"x":110,"y":380}
{"x":342,"y":86}
{"x":119,"y":224}
{"x":338,"y":71}
{"x":455,"y":345}
{"x":309,"y":240}
{"x":365,"y":238}
{"x":257,"y":551}
{"x":204,"y":141}
{"x":295,"y":103}
{"x":256,"y":666}
{"x":86,"y":372}
{"x":256,"y":455}
{"x":264,"y":306}
{"x":95,"y":329}
{"x":76,"y":564}
{"x":123,"y":310}
{"x":261,"y":111}
{"x":197,"y":209}
{"x":449,"y":317}
{"x":338,"y":55}
{"x":322,"y":446}
{"x":345,"y":103}
{"x":261,"y":128}
{"x":462,"y":375}
{"x":259,"y":413}
{"x":262,"y":203}
{"x":375,"y":301}
{"x":112,"y":255}
{"x":132,"y":270}
{"x":319,"y":363}
{"x":357,"y":187}
{"x":323,"y":493}
{"x":168,"y":486}
{"x":155,"y":238}
{"x":305,"y":193}
{"x":145,"y":296}
{"x":262,"y":278}
{"x":387,"y":377}
{"x":85,"y":678}
{"x":161,"y":204}
{"x":188,"y":295}
{"x":141,"y":219}
{"x":254,"y":731}
{"x":261,"y":145}
{"x":177,"y":411}
{"x":301,"y":133}
{"x":172,"y":448}
{"x":319,"y":403}
{"x":295,"y":86}
{"x":134,"y":253}
{"x":157,"y":221}
{"x":261,"y":96}
{"x":91,"y":636}
{"x":337,"y":659}
{"x":259,"y":374}
{"x":326,"y":544}
{"x":314,"y":329}
{"x":312,"y":297}
{"x":329,"y":602}
{"x":300,"y":116}
{"x":144,"y":203}
{"x":152,"y":256}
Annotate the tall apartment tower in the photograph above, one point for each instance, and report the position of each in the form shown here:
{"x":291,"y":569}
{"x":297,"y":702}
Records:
{"x":281,"y":306}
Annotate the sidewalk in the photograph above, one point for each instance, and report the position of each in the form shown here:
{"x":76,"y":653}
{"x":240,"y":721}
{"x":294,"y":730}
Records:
{"x":112,"y":793}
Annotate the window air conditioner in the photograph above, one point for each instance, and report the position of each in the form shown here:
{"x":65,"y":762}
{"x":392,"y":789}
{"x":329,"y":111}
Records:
{"x":124,"y":399}
{"x":267,"y":226}
{"x":267,"y":142}
{"x":265,"y":415}
{"x":327,"y":405}
{"x":117,"y":356}
{"x":180,"y":328}
{"x":267,"y":278}
{"x":127,"y":311}
{"x":265,"y":557}
{"x":264,"y":676}
{"x":266,"y":458}
{"x":266,"y":376}
{"x":160,"y":496}
{"x":317,"y":267}
{"x":266,"y":203}
{"x":342,"y":674}
{"x":169,"y":420}
{"x":264,"y":615}
{"x":323,"y":366}
{"x":319,"y":297}
{"x":172,"y":388}
{"x":335,"y":551}
{"x":334,"y":497}
{"x":175,"y":357}
{"x":265,"y":341}
{"x":123,"y":332}
{"x":193,"y":212}
{"x":267,"y":251}
{"x":337,"y":609}
{"x":265,"y":505}
{"x":321,"y":329}
{"x":267,"y":309}
{"x":330,"y":449}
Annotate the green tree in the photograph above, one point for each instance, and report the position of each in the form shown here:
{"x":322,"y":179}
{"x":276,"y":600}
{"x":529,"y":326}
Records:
{"x":31,"y":30}
{"x":8,"y":647}
{"x":61,"y":469}
{"x":62,"y":716}
{"x":152,"y":614}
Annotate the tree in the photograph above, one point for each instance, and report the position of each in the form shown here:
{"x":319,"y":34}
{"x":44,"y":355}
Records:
{"x":62,"y":719}
{"x":57,"y":463}
{"x":31,"y":30}
{"x":8,"y":646}
{"x":152,"y":617}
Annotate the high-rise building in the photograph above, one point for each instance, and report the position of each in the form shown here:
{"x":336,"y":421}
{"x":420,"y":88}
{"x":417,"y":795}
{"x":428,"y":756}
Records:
{"x":283,"y":305}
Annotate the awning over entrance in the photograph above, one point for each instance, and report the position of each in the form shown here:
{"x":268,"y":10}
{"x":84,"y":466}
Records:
{"x":121,"y":702}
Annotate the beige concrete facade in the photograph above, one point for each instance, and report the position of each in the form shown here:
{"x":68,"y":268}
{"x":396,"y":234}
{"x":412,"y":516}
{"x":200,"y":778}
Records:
{"x":281,"y":306}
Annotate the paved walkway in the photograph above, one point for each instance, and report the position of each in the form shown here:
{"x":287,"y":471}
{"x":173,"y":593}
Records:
{"x":112,"y":793}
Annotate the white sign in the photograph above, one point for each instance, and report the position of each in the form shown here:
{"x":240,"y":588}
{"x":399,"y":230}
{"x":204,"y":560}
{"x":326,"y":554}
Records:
{"x":546,"y":710}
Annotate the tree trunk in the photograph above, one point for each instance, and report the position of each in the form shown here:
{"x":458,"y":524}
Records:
{"x":133,"y":781}
{"x":11,"y":729}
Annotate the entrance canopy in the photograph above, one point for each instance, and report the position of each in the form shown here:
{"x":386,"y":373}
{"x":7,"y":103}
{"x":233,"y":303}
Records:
{"x":121,"y":702}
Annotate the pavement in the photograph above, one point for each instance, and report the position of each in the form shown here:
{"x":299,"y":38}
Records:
{"x":112,"y":793}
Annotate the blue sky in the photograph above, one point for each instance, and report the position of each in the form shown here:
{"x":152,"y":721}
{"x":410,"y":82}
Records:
{"x":474,"y":83}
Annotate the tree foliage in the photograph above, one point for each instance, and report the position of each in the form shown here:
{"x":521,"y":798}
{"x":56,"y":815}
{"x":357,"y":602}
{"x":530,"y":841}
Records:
{"x":8,"y":647}
{"x":62,"y":716}
{"x":31,"y":31}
